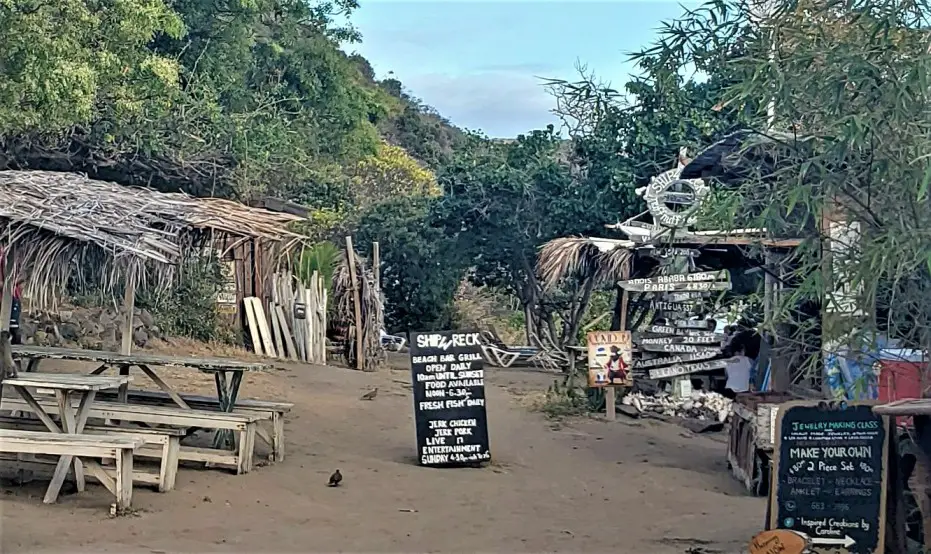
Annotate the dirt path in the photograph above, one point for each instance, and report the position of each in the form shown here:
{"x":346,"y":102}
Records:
{"x":586,"y":486}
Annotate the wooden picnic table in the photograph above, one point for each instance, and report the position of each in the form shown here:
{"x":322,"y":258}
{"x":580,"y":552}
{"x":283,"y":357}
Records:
{"x":66,"y":387}
{"x":227,"y":373}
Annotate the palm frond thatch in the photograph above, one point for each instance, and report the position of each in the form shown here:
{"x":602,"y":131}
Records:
{"x":604,"y":260}
{"x":373,"y":316}
{"x":53,"y":221}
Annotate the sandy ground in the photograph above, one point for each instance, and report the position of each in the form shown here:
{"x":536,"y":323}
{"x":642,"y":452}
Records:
{"x":579,"y":486}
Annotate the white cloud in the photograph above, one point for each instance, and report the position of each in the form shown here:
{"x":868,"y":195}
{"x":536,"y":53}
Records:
{"x":500,"y":103}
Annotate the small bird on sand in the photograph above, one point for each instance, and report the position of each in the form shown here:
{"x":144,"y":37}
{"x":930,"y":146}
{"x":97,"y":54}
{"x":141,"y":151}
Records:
{"x":335,"y":479}
{"x":370,"y":395}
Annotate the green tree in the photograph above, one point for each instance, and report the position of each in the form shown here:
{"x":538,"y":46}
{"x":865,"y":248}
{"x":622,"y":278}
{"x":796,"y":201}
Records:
{"x":503,"y":200}
{"x":847,"y":140}
{"x":420,"y":265}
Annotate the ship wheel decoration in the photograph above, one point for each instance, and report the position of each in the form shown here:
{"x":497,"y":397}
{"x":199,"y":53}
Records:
{"x":672,"y":201}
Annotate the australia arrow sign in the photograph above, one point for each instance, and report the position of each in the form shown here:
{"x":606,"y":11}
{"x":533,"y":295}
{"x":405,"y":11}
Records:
{"x":676,"y":370}
{"x":677,"y":359}
{"x":846,"y":542}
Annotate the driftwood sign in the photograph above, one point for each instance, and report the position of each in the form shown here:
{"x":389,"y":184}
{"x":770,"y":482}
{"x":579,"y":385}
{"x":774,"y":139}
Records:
{"x":684,"y":297}
{"x":691,"y":324}
{"x":661,"y":329}
{"x":677,"y":307}
{"x":679,"y":348}
{"x":684,"y":286}
{"x":645,"y":363}
{"x":686,"y":369}
{"x":707,"y":338}
{"x":681,"y":278}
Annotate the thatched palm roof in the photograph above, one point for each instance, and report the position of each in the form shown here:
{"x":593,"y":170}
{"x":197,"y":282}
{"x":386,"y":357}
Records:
{"x":604,"y":260}
{"x":52,"y":220}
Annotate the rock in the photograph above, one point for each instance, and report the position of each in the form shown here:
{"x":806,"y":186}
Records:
{"x":41,"y":338}
{"x":28,"y":329}
{"x":140,"y":337}
{"x":147,"y":320}
{"x":137,"y":322}
{"x":65,"y":315}
{"x":69,"y":332}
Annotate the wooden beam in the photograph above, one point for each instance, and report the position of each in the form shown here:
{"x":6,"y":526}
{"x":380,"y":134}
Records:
{"x":129,"y":305}
{"x":356,"y":300}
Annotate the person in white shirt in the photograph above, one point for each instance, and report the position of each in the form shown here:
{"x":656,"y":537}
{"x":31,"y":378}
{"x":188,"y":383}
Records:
{"x":738,"y":370}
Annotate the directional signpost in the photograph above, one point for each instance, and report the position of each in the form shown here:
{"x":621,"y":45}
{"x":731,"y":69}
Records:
{"x":682,"y":346}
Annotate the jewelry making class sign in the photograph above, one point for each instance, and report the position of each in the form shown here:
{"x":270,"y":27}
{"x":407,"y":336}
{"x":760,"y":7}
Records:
{"x":449,"y":398}
{"x":830,"y":481}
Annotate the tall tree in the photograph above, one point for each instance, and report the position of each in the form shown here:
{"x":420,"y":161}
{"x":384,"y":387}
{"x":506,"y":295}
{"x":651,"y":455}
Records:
{"x":851,"y":129}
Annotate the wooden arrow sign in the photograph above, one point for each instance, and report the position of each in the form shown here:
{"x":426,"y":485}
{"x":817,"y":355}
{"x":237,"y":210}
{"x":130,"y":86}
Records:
{"x":710,"y":338}
{"x":661,"y":330}
{"x":687,"y":286}
{"x":671,"y":306}
{"x":691,"y":324}
{"x":679,"y":348}
{"x":676,"y":359}
{"x":677,"y":370}
{"x":681,"y":278}
{"x":684,"y":297}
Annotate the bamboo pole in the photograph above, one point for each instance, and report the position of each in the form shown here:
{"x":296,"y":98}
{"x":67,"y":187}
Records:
{"x":8,"y":368}
{"x":356,"y":300}
{"x":376,"y":266}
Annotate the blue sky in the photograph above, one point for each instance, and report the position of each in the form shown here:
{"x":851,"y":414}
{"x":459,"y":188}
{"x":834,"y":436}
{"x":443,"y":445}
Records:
{"x":477,"y":61}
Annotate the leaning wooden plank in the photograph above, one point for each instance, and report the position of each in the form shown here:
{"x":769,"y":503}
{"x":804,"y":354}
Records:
{"x":308,"y":330}
{"x":286,"y":332}
{"x":276,"y":329}
{"x":264,"y":333}
{"x":252,"y":323}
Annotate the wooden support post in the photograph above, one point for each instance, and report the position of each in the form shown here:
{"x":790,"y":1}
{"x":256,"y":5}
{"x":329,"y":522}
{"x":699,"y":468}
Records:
{"x":7,"y":365}
{"x":610,"y":409}
{"x":129,"y":305}
{"x":356,"y":300}
{"x":376,"y":265}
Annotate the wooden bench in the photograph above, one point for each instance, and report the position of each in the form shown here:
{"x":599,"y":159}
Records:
{"x":243,"y":424}
{"x":108,"y":447}
{"x":168,"y":439}
{"x":269,"y":410}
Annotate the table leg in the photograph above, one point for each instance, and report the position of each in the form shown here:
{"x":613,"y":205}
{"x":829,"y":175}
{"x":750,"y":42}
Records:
{"x":227,"y":392}
{"x":100,"y":369}
{"x":124,"y":388}
{"x":69,"y":425}
{"x":164,"y":386}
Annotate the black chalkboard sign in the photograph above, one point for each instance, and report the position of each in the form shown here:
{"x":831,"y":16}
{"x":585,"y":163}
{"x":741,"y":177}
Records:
{"x":830,"y":481}
{"x":449,"y":398}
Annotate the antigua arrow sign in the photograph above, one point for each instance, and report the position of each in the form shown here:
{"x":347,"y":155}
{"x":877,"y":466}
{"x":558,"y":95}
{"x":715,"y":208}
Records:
{"x":846,"y":542}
